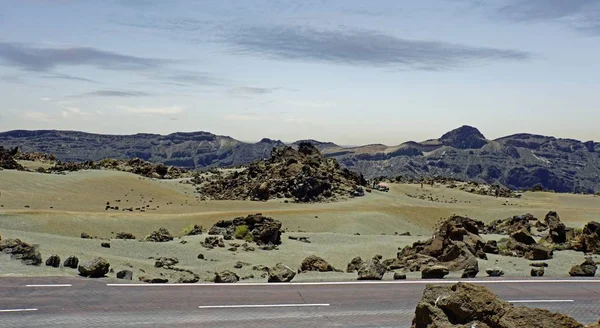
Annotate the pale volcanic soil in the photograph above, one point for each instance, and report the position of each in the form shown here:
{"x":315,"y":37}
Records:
{"x":53,"y":210}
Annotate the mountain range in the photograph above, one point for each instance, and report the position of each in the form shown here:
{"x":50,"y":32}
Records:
{"x":519,"y":161}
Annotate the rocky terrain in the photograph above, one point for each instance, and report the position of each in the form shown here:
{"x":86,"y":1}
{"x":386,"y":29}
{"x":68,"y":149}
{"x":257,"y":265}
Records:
{"x":302,"y":175}
{"x":518,"y":162}
{"x":468,"y":305}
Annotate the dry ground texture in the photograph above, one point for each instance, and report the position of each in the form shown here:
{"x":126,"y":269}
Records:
{"x":53,"y":210}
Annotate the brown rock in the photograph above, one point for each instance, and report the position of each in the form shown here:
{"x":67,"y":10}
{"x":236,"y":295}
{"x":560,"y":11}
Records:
{"x":315,"y":263}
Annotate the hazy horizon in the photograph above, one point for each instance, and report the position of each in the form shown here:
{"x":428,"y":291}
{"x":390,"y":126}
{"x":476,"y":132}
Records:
{"x":348,"y":72}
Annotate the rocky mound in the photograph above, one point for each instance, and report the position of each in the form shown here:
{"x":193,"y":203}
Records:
{"x":589,"y":240}
{"x":467,"y":305}
{"x":303,"y":175}
{"x":7,"y":160}
{"x":20,"y":250}
{"x":512,"y":224}
{"x":135,"y":166}
{"x":257,"y":228}
{"x":456,"y":244}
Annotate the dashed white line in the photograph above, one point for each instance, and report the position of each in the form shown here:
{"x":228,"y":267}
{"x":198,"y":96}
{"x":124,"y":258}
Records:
{"x":52,"y":285}
{"x":405,"y":282}
{"x":541,"y":301}
{"x":250,"y":306}
{"x":17,"y":310}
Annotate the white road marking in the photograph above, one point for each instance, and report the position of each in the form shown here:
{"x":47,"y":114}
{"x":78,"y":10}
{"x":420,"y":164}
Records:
{"x":404,"y":282}
{"x":541,"y":301}
{"x":249,"y":306}
{"x":55,"y":285}
{"x":18,"y":310}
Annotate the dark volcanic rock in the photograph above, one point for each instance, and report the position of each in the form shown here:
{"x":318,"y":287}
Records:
{"x":315,"y":263}
{"x":585,"y":269}
{"x":537,"y":272}
{"x":71,"y":262}
{"x":95,"y":268}
{"x":371,"y":270}
{"x":53,"y":261}
{"x":160,"y":236}
{"x":303,"y":174}
{"x":124,"y":235}
{"x":434,"y":272}
{"x":589,"y":240}
{"x":491,"y":247}
{"x":165,"y":262}
{"x":467,"y":305}
{"x":354,"y":264}
{"x":281,"y":273}
{"x":465,"y":137}
{"x":471,"y":271}
{"x":455,"y":244}
{"x":153,"y":280}
{"x":7,"y":160}
{"x":125,"y":275}
{"x":226,"y":277}
{"x":20,"y":250}
{"x":260,"y":229}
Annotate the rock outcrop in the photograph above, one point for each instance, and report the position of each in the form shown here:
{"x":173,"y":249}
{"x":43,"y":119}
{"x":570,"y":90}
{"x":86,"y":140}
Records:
{"x":456,"y":244}
{"x":159,"y":236}
{"x":281,"y":273}
{"x":509,"y":225}
{"x":7,"y":160}
{"x":315,"y":263}
{"x":20,"y":250}
{"x":467,"y":305}
{"x":303,"y":175}
{"x":125,"y":275}
{"x":95,"y":268}
{"x":434,"y":272}
{"x":589,"y":240}
{"x":372,"y":269}
{"x":585,"y":269}
{"x":125,"y":235}
{"x":53,"y":261}
{"x":258,"y":228}
{"x":354,"y":264}
{"x":226,"y":277}
{"x":71,"y":262}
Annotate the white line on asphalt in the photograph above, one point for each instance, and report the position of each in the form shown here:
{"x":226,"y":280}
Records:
{"x":259,"y":306}
{"x":405,"y":282}
{"x":18,"y":310}
{"x":56,"y":285}
{"x":541,"y":301}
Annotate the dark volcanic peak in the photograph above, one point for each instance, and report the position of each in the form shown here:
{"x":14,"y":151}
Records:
{"x":465,"y":137}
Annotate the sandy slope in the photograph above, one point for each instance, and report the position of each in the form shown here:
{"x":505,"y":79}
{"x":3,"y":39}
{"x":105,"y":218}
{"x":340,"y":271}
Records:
{"x":78,"y":204}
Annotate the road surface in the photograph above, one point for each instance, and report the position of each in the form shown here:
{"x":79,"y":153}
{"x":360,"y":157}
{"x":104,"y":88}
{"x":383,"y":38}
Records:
{"x":71,"y":302}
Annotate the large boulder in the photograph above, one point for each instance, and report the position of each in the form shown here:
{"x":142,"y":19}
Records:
{"x":125,"y":275}
{"x":124,"y":235}
{"x":71,"y":262}
{"x":455,"y":244}
{"x":354,"y":264}
{"x":494,"y":272}
{"x":510,"y":225}
{"x":589,"y":240}
{"x":557,"y":230}
{"x":315,"y":263}
{"x":95,"y":268}
{"x":226,"y":277}
{"x":467,"y":305}
{"x":491,"y":247}
{"x":371,"y":270}
{"x":160,"y":236}
{"x":471,"y":271}
{"x":281,"y":273}
{"x":538,"y":252}
{"x":20,"y":250}
{"x":213,"y":241}
{"x":261,"y":229}
{"x":434,"y":272}
{"x":523,"y":236}
{"x":585,"y":269}
{"x":53,"y":261}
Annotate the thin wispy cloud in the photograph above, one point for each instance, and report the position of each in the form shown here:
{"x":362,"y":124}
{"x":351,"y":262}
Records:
{"x":251,"y":91}
{"x":167,"y":110}
{"x":67,"y":78}
{"x":360,"y":47}
{"x":583,"y":15}
{"x":45,"y":59}
{"x":74,"y":111}
{"x":38,"y":116}
{"x":112,"y":93}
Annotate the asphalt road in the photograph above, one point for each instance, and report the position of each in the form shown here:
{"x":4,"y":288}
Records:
{"x":60,"y":302}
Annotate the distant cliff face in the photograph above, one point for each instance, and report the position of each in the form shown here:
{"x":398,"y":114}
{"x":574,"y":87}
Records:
{"x":520,"y":161}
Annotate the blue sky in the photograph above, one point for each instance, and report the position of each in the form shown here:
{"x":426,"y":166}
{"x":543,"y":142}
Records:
{"x":348,"y":71}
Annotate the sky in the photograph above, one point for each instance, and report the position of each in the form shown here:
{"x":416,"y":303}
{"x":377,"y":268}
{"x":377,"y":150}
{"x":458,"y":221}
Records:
{"x":347,"y":71}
